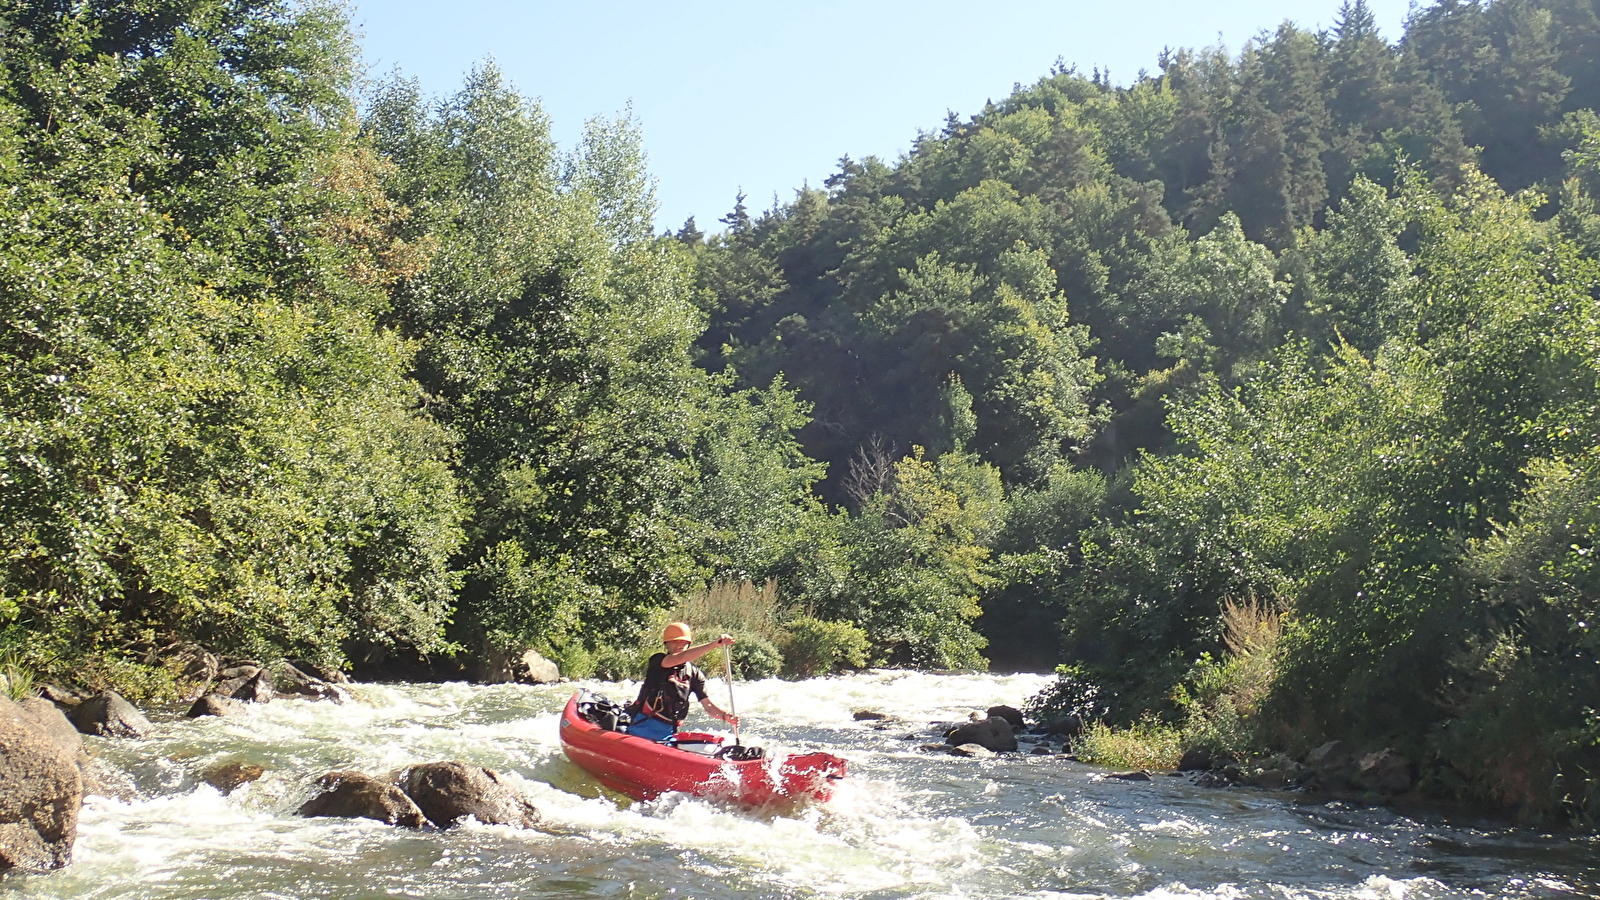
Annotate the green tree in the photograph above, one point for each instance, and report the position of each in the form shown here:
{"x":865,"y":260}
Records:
{"x":206,"y":437}
{"x":917,"y":555}
{"x":553,"y":335}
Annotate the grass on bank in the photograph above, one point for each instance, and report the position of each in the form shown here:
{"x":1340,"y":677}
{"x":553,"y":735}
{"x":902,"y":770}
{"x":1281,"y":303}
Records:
{"x":1219,"y":699}
{"x":772,"y":639}
{"x":1147,"y":744}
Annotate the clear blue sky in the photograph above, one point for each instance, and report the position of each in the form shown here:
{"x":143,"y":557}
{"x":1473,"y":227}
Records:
{"x":766,"y":96}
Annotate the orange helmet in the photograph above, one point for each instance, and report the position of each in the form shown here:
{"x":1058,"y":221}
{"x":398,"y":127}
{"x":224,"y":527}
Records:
{"x":676,"y":631}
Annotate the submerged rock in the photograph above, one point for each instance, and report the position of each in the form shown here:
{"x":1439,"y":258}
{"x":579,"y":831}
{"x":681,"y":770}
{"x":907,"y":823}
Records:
{"x":230,"y":776}
{"x":447,"y":792}
{"x":976,"y":751}
{"x":41,"y":792}
{"x":879,"y":721}
{"x":1140,"y":775}
{"x":108,"y":715}
{"x":355,"y":795}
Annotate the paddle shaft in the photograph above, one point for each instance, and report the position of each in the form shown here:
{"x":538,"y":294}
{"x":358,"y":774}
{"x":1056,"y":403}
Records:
{"x":727,"y":671}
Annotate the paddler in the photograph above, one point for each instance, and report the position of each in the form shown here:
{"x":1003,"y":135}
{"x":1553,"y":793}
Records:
{"x":670,"y":678}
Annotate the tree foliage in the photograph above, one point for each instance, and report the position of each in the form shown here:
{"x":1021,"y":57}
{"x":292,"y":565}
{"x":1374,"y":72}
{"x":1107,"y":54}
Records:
{"x":206,"y":437}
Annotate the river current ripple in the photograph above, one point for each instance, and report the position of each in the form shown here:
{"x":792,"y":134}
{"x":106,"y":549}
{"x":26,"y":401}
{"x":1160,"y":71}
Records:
{"x":906,"y":824}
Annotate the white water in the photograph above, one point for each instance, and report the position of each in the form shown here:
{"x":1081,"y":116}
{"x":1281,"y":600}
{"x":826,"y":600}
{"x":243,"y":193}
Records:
{"x":906,"y":824}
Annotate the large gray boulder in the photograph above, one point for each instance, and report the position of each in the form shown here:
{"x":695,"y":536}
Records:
{"x":215,"y":705}
{"x":535,"y":669}
{"x":292,"y":681}
{"x":447,"y":792}
{"x":107,"y":714}
{"x":53,"y":723}
{"x":354,"y":795}
{"x":1010,"y":714}
{"x":321,"y":673}
{"x":41,"y":792}
{"x":247,"y":681}
{"x":993,"y":733}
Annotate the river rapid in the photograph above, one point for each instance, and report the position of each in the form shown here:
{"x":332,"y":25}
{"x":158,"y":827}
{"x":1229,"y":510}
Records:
{"x":906,"y":823}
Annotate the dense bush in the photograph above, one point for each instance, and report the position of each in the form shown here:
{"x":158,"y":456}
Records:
{"x":1146,"y":744}
{"x":813,"y":647}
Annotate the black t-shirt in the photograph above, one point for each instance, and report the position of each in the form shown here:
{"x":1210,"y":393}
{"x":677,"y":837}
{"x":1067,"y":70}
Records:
{"x":665,"y":692}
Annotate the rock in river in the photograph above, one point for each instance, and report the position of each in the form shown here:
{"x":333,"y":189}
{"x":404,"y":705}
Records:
{"x":450,"y":791}
{"x":230,"y":776}
{"x":355,"y":795}
{"x":108,"y":715}
{"x":41,"y":792}
{"x":215,"y":705}
{"x":993,"y":733}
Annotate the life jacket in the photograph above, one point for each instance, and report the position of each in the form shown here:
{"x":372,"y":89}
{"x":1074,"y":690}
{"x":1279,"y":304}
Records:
{"x":666,"y":691}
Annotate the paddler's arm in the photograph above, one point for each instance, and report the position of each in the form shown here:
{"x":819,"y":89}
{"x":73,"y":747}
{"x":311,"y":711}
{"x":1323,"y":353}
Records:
{"x":690,"y":654}
{"x":715,"y":712}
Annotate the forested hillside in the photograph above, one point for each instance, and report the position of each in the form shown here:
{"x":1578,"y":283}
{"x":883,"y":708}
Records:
{"x":1261,"y":395}
{"x":1286,"y":361}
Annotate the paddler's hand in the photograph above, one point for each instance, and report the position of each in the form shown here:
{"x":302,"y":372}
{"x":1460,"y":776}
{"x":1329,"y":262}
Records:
{"x":731,"y":720}
{"x":725,"y":641}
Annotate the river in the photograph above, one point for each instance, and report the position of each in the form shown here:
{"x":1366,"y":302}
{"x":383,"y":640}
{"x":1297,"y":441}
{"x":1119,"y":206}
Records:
{"x":906,"y":824}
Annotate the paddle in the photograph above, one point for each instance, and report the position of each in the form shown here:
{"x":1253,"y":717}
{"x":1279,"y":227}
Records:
{"x":738,"y":752}
{"x":727,"y":671}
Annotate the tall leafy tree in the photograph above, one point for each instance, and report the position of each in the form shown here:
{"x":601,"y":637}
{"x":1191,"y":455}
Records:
{"x":554,"y":332}
{"x":206,"y":439}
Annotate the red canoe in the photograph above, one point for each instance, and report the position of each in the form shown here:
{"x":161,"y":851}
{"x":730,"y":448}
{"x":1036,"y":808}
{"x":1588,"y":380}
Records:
{"x":645,"y":769}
